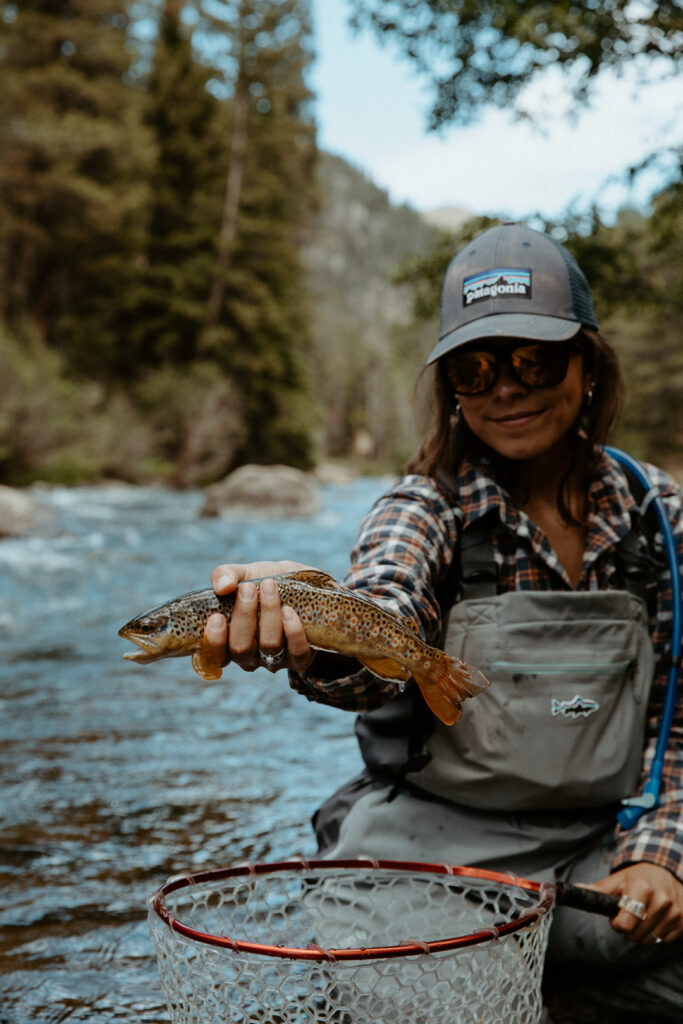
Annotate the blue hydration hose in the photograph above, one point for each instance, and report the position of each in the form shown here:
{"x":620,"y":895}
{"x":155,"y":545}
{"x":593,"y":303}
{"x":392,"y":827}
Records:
{"x":649,"y":798}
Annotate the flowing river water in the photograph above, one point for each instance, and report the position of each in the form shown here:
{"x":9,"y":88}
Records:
{"x":116,"y":776}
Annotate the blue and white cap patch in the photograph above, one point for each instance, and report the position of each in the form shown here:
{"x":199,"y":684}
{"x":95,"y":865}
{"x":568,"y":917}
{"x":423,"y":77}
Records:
{"x":489,"y":284}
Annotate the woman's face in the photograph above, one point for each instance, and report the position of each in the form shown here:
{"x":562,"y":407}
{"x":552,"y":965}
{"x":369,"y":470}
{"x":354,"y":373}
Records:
{"x":522,"y":422}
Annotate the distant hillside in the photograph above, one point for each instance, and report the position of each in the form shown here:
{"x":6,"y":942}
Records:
{"x":447,"y":218}
{"x":367,"y":351}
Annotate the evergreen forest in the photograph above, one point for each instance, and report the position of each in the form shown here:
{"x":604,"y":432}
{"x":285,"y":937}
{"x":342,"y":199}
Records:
{"x":187,"y":283}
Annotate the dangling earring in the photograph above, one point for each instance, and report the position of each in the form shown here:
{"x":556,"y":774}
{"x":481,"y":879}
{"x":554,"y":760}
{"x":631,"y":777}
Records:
{"x":456,"y":407}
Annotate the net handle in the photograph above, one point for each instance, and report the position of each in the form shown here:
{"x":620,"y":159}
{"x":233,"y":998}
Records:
{"x":546,"y":892}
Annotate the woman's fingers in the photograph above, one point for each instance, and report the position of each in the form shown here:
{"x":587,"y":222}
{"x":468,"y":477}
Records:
{"x":299,"y":654}
{"x":271,"y":646}
{"x":225,"y":578}
{"x":264,"y":633}
{"x":650,"y":900}
{"x":261,"y":631}
{"x":242,"y":643}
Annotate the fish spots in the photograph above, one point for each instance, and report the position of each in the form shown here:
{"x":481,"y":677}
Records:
{"x":335,"y":619}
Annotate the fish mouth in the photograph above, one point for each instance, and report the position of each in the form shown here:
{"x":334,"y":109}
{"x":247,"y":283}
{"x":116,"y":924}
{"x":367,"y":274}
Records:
{"x":151,"y":647}
{"x":147,"y":649}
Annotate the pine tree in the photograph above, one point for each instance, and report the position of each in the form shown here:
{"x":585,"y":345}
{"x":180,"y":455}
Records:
{"x":256,"y":319}
{"x":72,"y":171}
{"x":170,"y":303}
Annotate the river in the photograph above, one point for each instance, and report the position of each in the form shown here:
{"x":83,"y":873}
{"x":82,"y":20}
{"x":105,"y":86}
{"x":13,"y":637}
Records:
{"x":116,"y":776}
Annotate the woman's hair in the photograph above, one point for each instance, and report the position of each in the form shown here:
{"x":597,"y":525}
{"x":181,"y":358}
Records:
{"x":450,"y":440}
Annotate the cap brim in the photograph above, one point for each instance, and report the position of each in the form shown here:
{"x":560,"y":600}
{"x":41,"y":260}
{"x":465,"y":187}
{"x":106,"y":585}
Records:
{"x":507,"y":325}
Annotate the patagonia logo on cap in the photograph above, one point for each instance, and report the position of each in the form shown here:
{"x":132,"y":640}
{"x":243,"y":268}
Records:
{"x":491,"y":283}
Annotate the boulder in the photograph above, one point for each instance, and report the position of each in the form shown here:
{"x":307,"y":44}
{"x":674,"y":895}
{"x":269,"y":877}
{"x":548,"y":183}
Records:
{"x":20,"y":514}
{"x":277,"y":491}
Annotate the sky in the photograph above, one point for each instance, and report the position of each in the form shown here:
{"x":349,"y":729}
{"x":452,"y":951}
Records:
{"x":372,"y":109}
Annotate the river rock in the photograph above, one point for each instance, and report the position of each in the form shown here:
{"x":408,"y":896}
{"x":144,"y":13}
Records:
{"x":277,"y":491}
{"x":19,"y":513}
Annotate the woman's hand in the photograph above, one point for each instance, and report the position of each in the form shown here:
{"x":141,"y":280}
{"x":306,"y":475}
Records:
{"x":261,"y":631}
{"x":661,"y":895}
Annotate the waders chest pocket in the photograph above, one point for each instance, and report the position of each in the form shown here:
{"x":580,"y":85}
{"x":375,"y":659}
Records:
{"x":563,"y":721}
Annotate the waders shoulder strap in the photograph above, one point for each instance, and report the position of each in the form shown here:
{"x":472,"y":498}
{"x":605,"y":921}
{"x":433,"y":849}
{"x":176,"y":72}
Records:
{"x":634,"y":807}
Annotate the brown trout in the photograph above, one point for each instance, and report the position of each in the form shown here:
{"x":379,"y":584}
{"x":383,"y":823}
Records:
{"x":334,"y":619}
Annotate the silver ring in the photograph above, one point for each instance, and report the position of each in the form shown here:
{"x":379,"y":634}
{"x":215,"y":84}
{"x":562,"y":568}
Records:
{"x":271,"y":660}
{"x":658,"y":939}
{"x":632,"y":906}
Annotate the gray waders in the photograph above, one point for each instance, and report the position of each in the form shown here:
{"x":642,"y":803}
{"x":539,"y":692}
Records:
{"x":529,"y":780}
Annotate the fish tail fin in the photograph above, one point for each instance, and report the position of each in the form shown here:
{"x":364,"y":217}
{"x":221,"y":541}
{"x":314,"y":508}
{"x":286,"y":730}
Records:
{"x":446,"y":685}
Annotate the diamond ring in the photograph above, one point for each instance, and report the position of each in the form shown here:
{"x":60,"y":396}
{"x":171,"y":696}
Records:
{"x":272,"y":660}
{"x":632,"y":906}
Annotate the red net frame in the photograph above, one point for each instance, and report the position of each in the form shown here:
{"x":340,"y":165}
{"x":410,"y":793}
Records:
{"x":545,"y":892}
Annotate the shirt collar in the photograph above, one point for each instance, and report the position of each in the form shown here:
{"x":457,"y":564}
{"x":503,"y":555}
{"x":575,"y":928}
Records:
{"x":611,"y":507}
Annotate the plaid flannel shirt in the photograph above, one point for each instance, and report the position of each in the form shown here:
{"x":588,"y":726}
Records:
{"x":405,"y":547}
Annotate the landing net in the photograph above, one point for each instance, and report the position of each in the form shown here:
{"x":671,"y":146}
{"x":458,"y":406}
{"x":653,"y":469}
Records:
{"x":345,"y":942}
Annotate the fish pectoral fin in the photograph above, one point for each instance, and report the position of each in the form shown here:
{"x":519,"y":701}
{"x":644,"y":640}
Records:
{"x":386,"y":668}
{"x":205,"y":663}
{"x":315,"y":577}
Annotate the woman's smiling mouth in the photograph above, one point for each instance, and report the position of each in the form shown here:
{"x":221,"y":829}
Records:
{"x":517,"y":419}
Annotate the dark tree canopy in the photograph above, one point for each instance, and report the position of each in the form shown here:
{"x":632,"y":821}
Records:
{"x":474,"y":52}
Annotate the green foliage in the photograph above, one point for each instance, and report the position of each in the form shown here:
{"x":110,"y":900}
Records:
{"x":42,"y":416}
{"x":113,"y":169}
{"x":262,"y":339}
{"x":197,"y":421}
{"x":72,"y":173}
{"x":475,"y":53}
{"x":185,"y":285}
{"x":166,"y":307}
{"x":177,"y":425}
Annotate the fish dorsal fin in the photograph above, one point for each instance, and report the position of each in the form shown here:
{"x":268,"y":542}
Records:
{"x":315,"y":577}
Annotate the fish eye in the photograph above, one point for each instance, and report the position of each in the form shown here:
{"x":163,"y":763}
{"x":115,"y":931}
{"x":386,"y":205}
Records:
{"x":155,"y":625}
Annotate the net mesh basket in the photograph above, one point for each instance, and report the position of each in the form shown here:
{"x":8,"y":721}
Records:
{"x":344,"y":942}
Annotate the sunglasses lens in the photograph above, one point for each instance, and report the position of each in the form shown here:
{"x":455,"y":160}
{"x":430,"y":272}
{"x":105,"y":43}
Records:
{"x":540,"y":366}
{"x":536,"y":365}
{"x":471,"y":373}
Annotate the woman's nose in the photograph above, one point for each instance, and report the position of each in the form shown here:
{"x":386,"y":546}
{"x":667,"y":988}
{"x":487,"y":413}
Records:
{"x":507,"y":384}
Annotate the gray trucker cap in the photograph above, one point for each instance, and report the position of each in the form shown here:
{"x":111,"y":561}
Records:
{"x":512,"y":281}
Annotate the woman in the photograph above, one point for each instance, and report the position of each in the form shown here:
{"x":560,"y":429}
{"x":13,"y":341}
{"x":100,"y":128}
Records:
{"x":511,"y":539}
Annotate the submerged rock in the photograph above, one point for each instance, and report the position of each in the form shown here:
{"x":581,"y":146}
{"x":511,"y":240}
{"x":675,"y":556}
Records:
{"x":20,"y":514}
{"x":264,"y":491}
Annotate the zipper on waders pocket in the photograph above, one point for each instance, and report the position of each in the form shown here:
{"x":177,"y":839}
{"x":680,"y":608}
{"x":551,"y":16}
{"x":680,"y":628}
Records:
{"x":573,"y":668}
{"x":580,"y":668}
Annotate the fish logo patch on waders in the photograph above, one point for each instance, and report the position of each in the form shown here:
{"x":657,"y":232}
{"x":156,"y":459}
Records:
{"x":577,"y":707}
